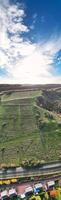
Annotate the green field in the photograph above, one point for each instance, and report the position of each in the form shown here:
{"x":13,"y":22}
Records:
{"x":21,"y":95}
{"x":28,"y":131}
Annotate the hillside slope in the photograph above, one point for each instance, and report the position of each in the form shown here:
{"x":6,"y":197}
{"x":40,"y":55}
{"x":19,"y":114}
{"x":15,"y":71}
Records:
{"x":30,"y":125}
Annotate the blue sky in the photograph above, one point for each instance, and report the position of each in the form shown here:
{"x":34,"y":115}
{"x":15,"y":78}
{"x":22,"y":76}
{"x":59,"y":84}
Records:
{"x":30,"y":41}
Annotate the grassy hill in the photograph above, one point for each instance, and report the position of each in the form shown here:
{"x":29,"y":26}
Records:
{"x":30,"y":124}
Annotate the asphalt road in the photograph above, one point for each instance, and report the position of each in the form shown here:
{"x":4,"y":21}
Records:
{"x":21,"y":172}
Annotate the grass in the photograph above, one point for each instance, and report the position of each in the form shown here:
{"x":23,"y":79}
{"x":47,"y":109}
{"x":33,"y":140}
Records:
{"x":28,"y":131}
{"x":21,"y":95}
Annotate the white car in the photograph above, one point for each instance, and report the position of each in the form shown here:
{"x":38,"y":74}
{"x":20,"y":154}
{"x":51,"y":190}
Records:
{"x":28,"y":191}
{"x":4,"y":194}
{"x":12,"y":192}
{"x":22,"y":196}
{"x":50,"y":184}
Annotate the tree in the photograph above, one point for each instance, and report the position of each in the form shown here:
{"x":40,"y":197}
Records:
{"x":3,"y":151}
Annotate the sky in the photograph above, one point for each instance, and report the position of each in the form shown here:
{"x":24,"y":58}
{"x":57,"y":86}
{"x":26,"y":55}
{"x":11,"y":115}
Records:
{"x":30,"y":41}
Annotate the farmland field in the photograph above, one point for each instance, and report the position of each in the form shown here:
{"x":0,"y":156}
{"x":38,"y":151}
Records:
{"x":28,"y":131}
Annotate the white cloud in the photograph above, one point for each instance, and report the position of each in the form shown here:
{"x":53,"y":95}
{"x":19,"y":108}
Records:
{"x":24,"y":61}
{"x":32,"y":26}
{"x":3,"y":58}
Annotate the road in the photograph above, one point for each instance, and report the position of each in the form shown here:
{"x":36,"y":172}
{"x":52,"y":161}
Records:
{"x":45,"y":169}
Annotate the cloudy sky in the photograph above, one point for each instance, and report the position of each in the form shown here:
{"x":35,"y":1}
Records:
{"x":30,"y":41}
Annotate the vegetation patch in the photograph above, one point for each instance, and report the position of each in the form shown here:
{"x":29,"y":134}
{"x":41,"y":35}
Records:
{"x":30,"y":130}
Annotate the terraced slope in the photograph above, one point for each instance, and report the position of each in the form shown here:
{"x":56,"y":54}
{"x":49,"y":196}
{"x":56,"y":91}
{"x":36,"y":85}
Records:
{"x":29,"y":130}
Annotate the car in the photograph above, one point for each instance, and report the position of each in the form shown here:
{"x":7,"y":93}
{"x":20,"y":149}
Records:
{"x":4,"y":195}
{"x":22,"y":196}
{"x":38,"y":188}
{"x":12,"y":194}
{"x":28,"y":192}
{"x":50,"y":185}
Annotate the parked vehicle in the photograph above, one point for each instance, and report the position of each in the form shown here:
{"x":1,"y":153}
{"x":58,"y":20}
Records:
{"x":28,"y":192}
{"x":4,"y":195}
{"x":38,"y":188}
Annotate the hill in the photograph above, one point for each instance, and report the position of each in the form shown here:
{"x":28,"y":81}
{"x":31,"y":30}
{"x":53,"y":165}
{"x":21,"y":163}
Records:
{"x":30,"y":124}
